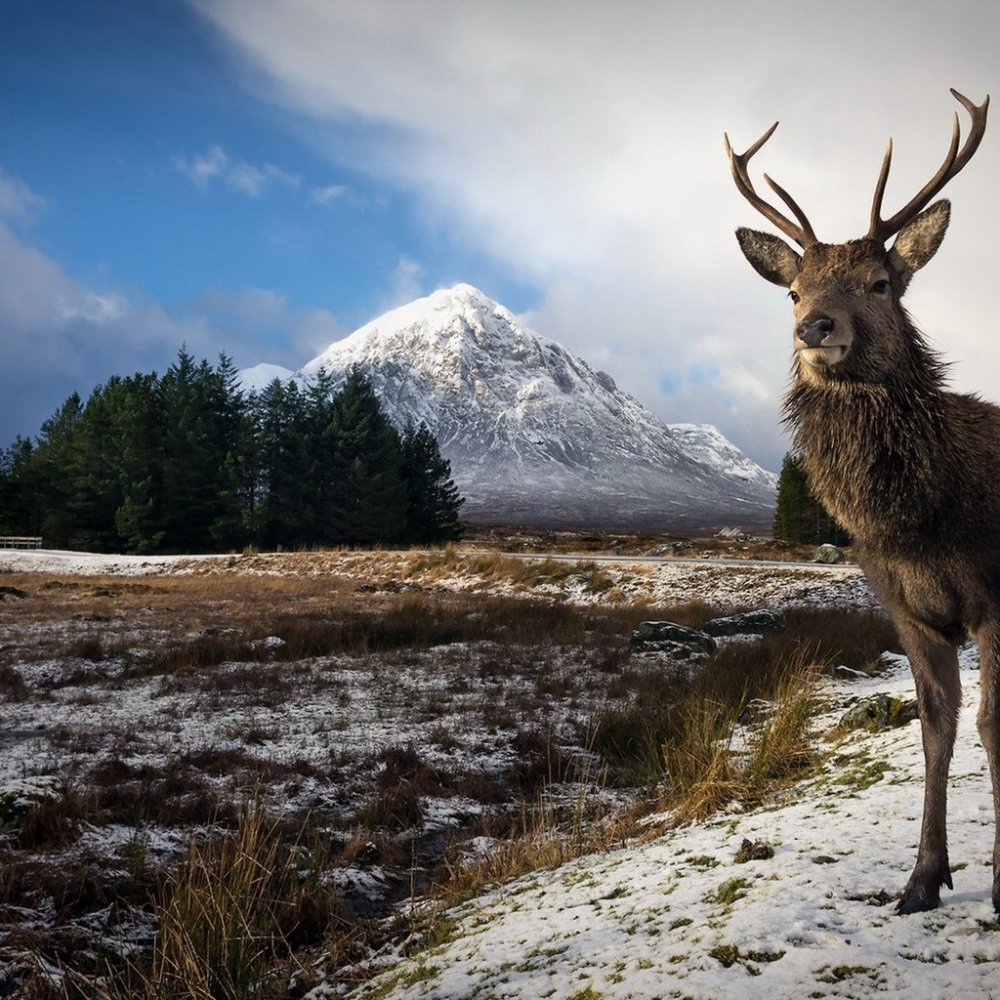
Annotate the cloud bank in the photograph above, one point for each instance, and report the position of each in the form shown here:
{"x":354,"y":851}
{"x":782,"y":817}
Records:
{"x":578,"y":145}
{"x":61,"y":335}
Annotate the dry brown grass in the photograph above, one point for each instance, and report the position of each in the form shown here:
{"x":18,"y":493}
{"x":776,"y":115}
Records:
{"x":706,"y":771}
{"x":200,"y":635}
{"x":230,"y":918}
{"x":559,"y":541}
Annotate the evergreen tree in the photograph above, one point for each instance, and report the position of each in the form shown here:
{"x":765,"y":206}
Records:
{"x":137,"y":426}
{"x":433,"y":501}
{"x":321,"y":444}
{"x":228,"y":414}
{"x":281,"y":425}
{"x":187,"y":463}
{"x":200,"y":481}
{"x":22,"y":500}
{"x":370,"y":503}
{"x":50,"y":459}
{"x":798,"y":516}
{"x":91,"y":475}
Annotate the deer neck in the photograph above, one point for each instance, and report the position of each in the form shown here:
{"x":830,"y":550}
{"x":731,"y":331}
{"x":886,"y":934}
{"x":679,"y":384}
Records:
{"x":872,"y":449}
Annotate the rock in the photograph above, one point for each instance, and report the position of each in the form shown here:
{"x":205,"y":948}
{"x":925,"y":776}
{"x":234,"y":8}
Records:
{"x":19,"y":795}
{"x":749,"y":623}
{"x":878,"y":712}
{"x":828,"y":554}
{"x":657,"y":635}
{"x":753,"y":850}
{"x":734,"y":534}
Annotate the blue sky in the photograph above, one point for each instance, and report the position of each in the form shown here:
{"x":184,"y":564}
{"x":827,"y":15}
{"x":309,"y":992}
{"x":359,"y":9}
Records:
{"x":260,"y":177}
{"x":156,"y":170}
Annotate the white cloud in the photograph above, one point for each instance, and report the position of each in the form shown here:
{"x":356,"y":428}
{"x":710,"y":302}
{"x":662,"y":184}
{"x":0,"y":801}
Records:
{"x":331,"y":192}
{"x":237,"y":174}
{"x":200,"y":169}
{"x":258,"y":324}
{"x":249,"y":180}
{"x":405,"y":283}
{"x":61,"y":335}
{"x":91,"y":307}
{"x":279,"y":176}
{"x":18,"y":203}
{"x":578,"y":143}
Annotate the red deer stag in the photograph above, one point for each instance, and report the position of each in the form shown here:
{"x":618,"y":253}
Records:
{"x":909,"y":468}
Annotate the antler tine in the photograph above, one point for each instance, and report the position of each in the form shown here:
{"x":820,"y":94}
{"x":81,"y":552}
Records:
{"x":883,"y":177}
{"x":881,"y":229}
{"x":803,"y":233}
{"x":807,"y":229}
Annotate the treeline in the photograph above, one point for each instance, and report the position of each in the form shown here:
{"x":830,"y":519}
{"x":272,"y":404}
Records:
{"x":798,"y":515}
{"x":188,"y":462}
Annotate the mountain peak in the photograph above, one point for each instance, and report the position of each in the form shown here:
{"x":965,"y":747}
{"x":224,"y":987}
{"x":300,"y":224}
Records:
{"x":533,"y":433}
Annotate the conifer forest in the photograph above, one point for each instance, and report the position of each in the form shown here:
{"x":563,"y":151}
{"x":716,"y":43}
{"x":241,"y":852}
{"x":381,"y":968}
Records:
{"x":189,"y":462}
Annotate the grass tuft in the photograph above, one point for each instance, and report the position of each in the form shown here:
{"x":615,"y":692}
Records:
{"x":229,"y":919}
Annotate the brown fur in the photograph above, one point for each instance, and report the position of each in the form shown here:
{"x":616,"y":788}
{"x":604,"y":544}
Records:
{"x":911,"y":470}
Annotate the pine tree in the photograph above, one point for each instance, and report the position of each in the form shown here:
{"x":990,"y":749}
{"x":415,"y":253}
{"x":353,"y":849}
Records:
{"x":321,"y":443}
{"x":22,"y":499}
{"x":201,"y":414}
{"x":798,"y":516}
{"x":50,"y":460}
{"x":433,"y":500}
{"x":281,"y":422}
{"x":91,"y":475}
{"x":187,"y":463}
{"x":137,"y":426}
{"x":370,"y":501}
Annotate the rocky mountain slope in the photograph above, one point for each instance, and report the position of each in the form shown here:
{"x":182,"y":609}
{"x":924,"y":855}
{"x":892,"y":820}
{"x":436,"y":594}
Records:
{"x":534,"y":434}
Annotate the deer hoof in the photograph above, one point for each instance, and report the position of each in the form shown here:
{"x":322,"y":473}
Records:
{"x":917,"y":903}
{"x":919,"y":897}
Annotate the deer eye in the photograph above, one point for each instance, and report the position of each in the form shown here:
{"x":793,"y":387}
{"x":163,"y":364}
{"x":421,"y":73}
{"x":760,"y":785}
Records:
{"x":794,"y":296}
{"x":880,"y":287}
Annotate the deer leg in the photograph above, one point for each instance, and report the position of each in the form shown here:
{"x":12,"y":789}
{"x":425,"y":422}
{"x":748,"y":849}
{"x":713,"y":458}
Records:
{"x":934,"y":662}
{"x":988,"y":641}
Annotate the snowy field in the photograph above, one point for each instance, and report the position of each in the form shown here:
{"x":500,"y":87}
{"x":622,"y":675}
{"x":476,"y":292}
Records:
{"x":677,"y":915}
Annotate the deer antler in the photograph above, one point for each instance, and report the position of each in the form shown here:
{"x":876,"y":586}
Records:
{"x":803,"y":232}
{"x":881,"y":229}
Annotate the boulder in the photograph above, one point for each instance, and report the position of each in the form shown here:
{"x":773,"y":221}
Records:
{"x":671,"y":637}
{"x":878,"y":712}
{"x":749,"y":623}
{"x":828,"y":554}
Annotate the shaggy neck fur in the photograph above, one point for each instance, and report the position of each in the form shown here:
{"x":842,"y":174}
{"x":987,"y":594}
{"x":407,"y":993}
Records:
{"x":875,"y":447}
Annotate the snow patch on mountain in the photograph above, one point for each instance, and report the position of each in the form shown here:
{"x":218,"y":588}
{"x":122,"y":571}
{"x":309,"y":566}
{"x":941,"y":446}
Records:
{"x":256,"y":378}
{"x":705,"y":443}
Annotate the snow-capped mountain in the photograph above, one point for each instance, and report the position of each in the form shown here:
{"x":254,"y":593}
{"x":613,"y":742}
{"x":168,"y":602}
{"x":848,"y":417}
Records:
{"x":534,"y":434}
{"x":254,"y":379}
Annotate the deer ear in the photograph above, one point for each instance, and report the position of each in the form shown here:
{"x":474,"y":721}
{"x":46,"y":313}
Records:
{"x":772,"y":258}
{"x":919,"y":240}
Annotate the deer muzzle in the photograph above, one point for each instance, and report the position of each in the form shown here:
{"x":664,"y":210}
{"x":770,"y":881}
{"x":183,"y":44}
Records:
{"x":820,"y":340}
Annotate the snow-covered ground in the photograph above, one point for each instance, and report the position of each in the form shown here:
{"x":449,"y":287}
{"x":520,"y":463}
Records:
{"x":751,"y":584}
{"x":677,"y":916}
{"x":70,"y":563}
{"x":680,"y":917}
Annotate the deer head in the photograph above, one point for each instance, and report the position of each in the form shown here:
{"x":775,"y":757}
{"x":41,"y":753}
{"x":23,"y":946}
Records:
{"x":848,"y":317}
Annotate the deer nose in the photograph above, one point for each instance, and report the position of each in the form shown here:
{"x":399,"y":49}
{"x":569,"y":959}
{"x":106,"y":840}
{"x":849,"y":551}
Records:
{"x":813,"y":330}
